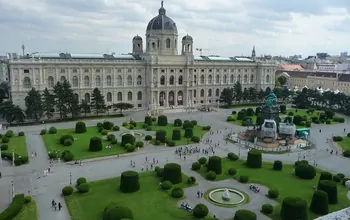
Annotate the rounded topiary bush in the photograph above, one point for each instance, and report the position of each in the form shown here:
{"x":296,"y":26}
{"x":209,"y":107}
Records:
{"x":110,"y":137}
{"x":116,"y":128}
{"x":67,"y":156}
{"x":336,"y":178}
{"x":127,"y":139}
{"x":27,"y":199}
{"x":214,"y":164}
{"x":319,"y":202}
{"x":148,"y":137}
{"x":107,"y":125}
{"x":341,"y":175}
{"x":254,"y":159}
{"x":232,"y":171}
{"x":99,"y":124}
{"x":187,"y":124}
{"x":294,"y":208}
{"x":191,"y":180}
{"x":129,"y":182}
{"x":80,"y":127}
{"x":177,"y":122}
{"x":130,"y":148}
{"x":116,"y":212}
{"x":104,"y":132}
{"x":68,"y":142}
{"x":21,"y":133}
{"x":65,"y":137}
{"x":42,"y":132}
{"x":211,"y":175}
{"x":331,"y":189}
{"x":4,"y":147}
{"x":202,"y":160}
{"x":83,"y":188}
{"x":305,"y":171}
{"x":188,"y":132}
{"x":176,"y":134}
{"x":81,"y":180}
{"x":67,"y":191}
{"x":172,"y":172}
{"x":148,"y":120}
{"x":177,"y":192}
{"x":195,"y":139}
{"x":346,"y":153}
{"x":200,"y":211}
{"x":244,"y":214}
{"x":277,"y":165}
{"x":139,"y":144}
{"x":325,"y":176}
{"x":162,"y":120}
{"x":196,"y":166}
{"x":161,"y":136}
{"x":167,"y":185}
{"x":95,"y":144}
{"x":243,"y":179}
{"x":232,"y":156}
{"x":267,"y":209}
{"x":273,"y":193}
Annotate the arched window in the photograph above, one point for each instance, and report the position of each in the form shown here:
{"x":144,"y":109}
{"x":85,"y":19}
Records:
{"x":27,"y":84}
{"x":153,"y":45}
{"x":120,"y":96}
{"x":86,"y":82}
{"x":139,"y":96}
{"x":251,"y":78}
{"x":209,"y":93}
{"x":217,"y":92}
{"x":139,"y":80}
{"x":167,"y":43}
{"x":87,"y":97}
{"x":232,"y":80}
{"x":267,"y":78}
{"x":239,"y":78}
{"x":171,"y":80}
{"x":98,"y":81}
{"x":210,"y":79}
{"x":119,"y":80}
{"x":76,"y":97}
{"x":109,"y":97}
{"x":129,"y":96}
{"x":180,"y":80}
{"x":217,"y":79}
{"x":195,"y":79}
{"x":202,"y":79}
{"x":162,"y":80}
{"x":50,"y":82}
{"x":129,"y":80}
{"x":62,"y":79}
{"x":202,"y":92}
{"x":245,"y":78}
{"x":225,"y":79}
{"x":109,"y":81}
{"x":194,"y":93}
{"x":75,"y":81}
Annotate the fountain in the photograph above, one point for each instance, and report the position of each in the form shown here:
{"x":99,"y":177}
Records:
{"x":132,"y":133}
{"x":226,"y":195}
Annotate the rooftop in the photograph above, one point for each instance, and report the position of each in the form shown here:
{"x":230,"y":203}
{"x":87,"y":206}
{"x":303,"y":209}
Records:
{"x":222,"y":59}
{"x":81,"y":56}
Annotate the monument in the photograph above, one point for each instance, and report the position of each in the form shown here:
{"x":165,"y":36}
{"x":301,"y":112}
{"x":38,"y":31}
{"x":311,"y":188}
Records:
{"x":226,"y":195}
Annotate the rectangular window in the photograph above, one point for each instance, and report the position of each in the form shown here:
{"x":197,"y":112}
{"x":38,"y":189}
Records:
{"x":129,"y":70}
{"x":119,"y":70}
{"x":62,"y":70}
{"x":75,"y":70}
{"x":108,"y":70}
{"x":139,"y":70}
{"x":86,"y":70}
{"x":139,"y":105}
{"x":98,"y":70}
{"x":26,"y":71}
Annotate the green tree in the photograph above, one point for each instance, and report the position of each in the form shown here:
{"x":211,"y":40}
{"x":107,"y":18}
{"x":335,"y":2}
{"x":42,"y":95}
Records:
{"x":34,"y":105}
{"x":227,"y":96}
{"x":97,"y":101}
{"x":261,"y":95}
{"x":71,"y":100}
{"x":277,"y":83}
{"x":18,"y":114}
{"x":245,"y":94}
{"x":4,"y":91}
{"x":84,"y":106}
{"x":60,"y":100}
{"x":278,"y":92}
{"x":122,"y":106}
{"x":301,"y":99}
{"x":282,"y":80}
{"x":237,"y":91}
{"x":12,"y":112}
{"x":252,"y":94}
{"x":48,"y":104}
{"x":267,"y":91}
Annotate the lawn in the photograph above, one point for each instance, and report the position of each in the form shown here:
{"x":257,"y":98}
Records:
{"x":345,"y":143}
{"x":18,"y":143}
{"x":28,"y":212}
{"x":80,"y":147}
{"x":148,"y":204}
{"x":284,"y":181}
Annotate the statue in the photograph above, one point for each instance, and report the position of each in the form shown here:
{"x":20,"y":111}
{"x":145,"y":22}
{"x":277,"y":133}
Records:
{"x":132,"y":133}
{"x":271,"y":100}
{"x":226,"y":195}
{"x":347,"y":184}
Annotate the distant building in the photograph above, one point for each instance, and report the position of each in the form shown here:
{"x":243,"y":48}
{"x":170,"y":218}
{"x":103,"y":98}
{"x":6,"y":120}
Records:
{"x":290,"y":67}
{"x":344,"y":54}
{"x":4,"y":69}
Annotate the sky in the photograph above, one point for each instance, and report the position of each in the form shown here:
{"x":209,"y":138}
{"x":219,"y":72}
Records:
{"x":219,"y":27}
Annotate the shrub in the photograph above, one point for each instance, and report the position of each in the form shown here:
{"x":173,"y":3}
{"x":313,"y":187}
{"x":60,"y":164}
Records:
{"x":232,"y":156}
{"x":325,"y":176}
{"x":343,"y":181}
{"x":191,"y":180}
{"x":53,"y":155}
{"x":148,"y":120}
{"x":346,"y":153}
{"x":234,"y":112}
{"x":195,"y":139}
{"x":157,"y":143}
{"x":328,"y":122}
{"x":297,"y":163}
{"x":154,"y":119}
{"x":114,"y":141}
{"x":187,"y":124}
{"x":110,"y":137}
{"x":267,"y":209}
{"x":254,"y":159}
{"x":319,"y":202}
{"x":230,"y":118}
{"x":283,"y":108}
{"x":162,"y":120}
{"x":68,"y":142}
{"x":14,"y":209}
{"x":99,"y":124}
{"x":139,"y":144}
{"x":167,"y":185}
{"x":243,"y":179}
{"x":177,"y":192}
{"x":81,"y":180}
{"x":188,"y":132}
{"x":194,"y":122}
{"x":250,"y":112}
{"x":244,"y":214}
{"x":80,"y":127}
{"x":99,"y":130}
{"x":196,"y":166}
{"x":297,"y":119}
{"x":65,"y":137}
{"x":116,"y":212}
{"x":104,"y":132}
{"x":214,"y":164}
{"x":129,"y":182}
{"x":129,"y":148}
{"x":148,"y":137}
{"x":67,"y":191}
{"x":211,"y":175}
{"x":107,"y":125}
{"x":176,"y":134}
{"x":21,"y":133}
{"x":178,"y":123}
{"x":200,"y":211}
{"x":206,"y":128}
{"x":95,"y":144}
{"x":125,"y":124}
{"x":337,"y":138}
{"x":202,"y":160}
{"x":171,"y":143}
{"x":161,"y":136}
{"x":160,"y":172}
{"x":338,"y":119}
{"x":241,"y":115}
{"x":4,"y":147}
{"x":294,"y":208}
{"x":116,"y":128}
{"x":172,"y":172}
{"x":273,"y":193}
{"x":232,"y":171}
{"x":5,"y":140}
{"x":341,"y":175}
{"x":127,"y":139}
{"x":277,"y":165}
{"x":67,"y":156}
{"x":42,"y":132}
{"x":27,"y":199}
{"x":9,"y":134}
{"x":83,"y":188}
{"x":331,"y":189}
{"x":305,"y":171}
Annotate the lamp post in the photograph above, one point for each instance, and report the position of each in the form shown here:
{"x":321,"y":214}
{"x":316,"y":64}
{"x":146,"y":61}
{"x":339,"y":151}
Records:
{"x":0,"y":156}
{"x":70,"y":178}
{"x":13,"y":189}
{"x":13,"y":157}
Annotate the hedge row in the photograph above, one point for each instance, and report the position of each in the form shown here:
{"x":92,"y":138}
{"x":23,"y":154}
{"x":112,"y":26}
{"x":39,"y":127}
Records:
{"x":14,"y":208}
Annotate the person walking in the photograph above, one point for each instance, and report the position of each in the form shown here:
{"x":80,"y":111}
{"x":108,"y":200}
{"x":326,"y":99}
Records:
{"x":59,"y":206}
{"x":0,"y":175}
{"x":53,"y":203}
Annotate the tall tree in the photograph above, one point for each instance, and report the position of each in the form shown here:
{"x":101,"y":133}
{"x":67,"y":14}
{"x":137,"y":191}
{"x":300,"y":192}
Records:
{"x":237,"y":91}
{"x":70,"y":99}
{"x":122,"y":106}
{"x":60,"y":100}
{"x":48,"y":104}
{"x":12,"y":112}
{"x":245,"y":94}
{"x":261,"y":95}
{"x":252,"y":94}
{"x":4,"y":91}
{"x":282,"y":80}
{"x":18,"y":114}
{"x":97,"y":101}
{"x":84,"y":106}
{"x":34,"y":105}
{"x":227,"y":96}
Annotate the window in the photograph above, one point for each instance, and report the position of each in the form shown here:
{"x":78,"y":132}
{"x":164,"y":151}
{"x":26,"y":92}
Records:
{"x":225,"y":79}
{"x":120,"y":96}
{"x":202,"y":79}
{"x":27,"y":84}
{"x":98,"y":70}
{"x":163,"y":71}
{"x":162,"y":80}
{"x":86,"y":70}
{"x":180,"y":80}
{"x":210,"y":79}
{"x":62,"y":70}
{"x":139,"y":96}
{"x":109,"y":81}
{"x":171,"y":71}
{"x":139,"y":80}
{"x":75,"y":81}
{"x":217,"y":92}
{"x":194,"y":93}
{"x":171,"y":80}
{"x":119,"y":70}
{"x":232,"y":79}
{"x":62,"y":79}
{"x":129,"y":80}
{"x":167,"y":43}
{"x":202,"y":93}
{"x":217,"y":79}
{"x":76,"y":97}
{"x":245,"y":78}
{"x":267,"y":79}
{"x":239,"y":78}
{"x":109,"y":97}
{"x":139,"y":105}
{"x":210,"y":70}
{"x":108,"y":70}
{"x":75,"y":70}
{"x":209,"y":93}
{"x":129,"y":70}
{"x":25,"y":71}
{"x":98,"y":81}
{"x":86,"y":82}
{"x":195,"y":79}
{"x":50,"y":82}
{"x":87,"y":97}
{"x":217,"y":70}
{"x":119,"y":80}
{"x":129,"y":96}
{"x":251,"y":78}
{"x":202,"y":70}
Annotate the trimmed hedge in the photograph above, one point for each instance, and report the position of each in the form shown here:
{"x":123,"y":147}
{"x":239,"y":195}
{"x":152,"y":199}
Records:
{"x":232,"y":156}
{"x":177,"y":192}
{"x":243,"y":179}
{"x":67,"y":191}
{"x":273,"y":193}
{"x":200,"y":211}
{"x":80,"y":127}
{"x":148,"y":137}
{"x":244,"y":214}
{"x":161,"y":136}
{"x":116,"y":128}
{"x":107,"y":125}
{"x":177,"y":122}
{"x":254,"y":159}
{"x":232,"y":171}
{"x":167,"y":185}
{"x":195,"y":139}
{"x":116,"y":212}
{"x":215,"y":164}
{"x":129,"y":182}
{"x":294,"y":208}
{"x":188,"y":132}
{"x":95,"y":144}
{"x":196,"y":166}
{"x":162,"y":120}
{"x":148,"y":120}
{"x":191,"y":180}
{"x":127,"y":139}
{"x":65,"y":137}
{"x":324,"y":176}
{"x":14,"y":208}
{"x":52,"y":130}
{"x":187,"y":124}
{"x":172,"y":172}
{"x":331,"y":189}
{"x":305,"y":171}
{"x":42,"y":132}
{"x":277,"y":165}
{"x":67,"y":156}
{"x":211,"y":175}
{"x":267,"y":209}
{"x":83,"y":188}
{"x":319,"y":203}
{"x":176,"y":134}
{"x":346,"y":153}
{"x":21,"y":133}
{"x":81,"y":180}
{"x":202,"y":160}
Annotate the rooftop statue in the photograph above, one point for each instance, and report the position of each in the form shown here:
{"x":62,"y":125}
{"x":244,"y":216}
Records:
{"x":271,"y":100}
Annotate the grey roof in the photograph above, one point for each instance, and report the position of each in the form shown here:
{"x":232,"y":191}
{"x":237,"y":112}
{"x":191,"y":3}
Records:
{"x":137,"y":37}
{"x":82,"y":56}
{"x":222,"y":59}
{"x":161,"y":22}
{"x":187,"y":37}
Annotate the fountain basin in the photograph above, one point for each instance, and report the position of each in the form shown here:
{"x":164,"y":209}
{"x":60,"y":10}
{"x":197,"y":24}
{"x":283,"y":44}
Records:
{"x":135,"y":133}
{"x":236,"y":197}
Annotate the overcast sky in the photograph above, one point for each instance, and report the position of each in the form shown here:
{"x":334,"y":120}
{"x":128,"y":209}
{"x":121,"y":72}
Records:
{"x":224,"y":27}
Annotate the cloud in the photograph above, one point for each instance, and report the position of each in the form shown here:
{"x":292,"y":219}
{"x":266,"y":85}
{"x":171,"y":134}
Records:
{"x":226,"y":27}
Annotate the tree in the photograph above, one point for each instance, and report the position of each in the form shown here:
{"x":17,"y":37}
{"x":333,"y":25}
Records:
{"x":267,"y":91}
{"x":84,"y":106}
{"x":97,"y":101}
{"x":282,"y":80}
{"x":17,"y":114}
{"x":4,"y":91}
{"x":34,"y":105}
{"x":12,"y":112}
{"x":237,"y":91}
{"x":70,"y":99}
{"x":74,"y":106}
{"x":301,"y":99}
{"x":252,"y":94}
{"x":277,"y":83}
{"x":48,"y":104}
{"x":6,"y":109}
{"x":261,"y":95}
{"x":122,"y":106}
{"x":60,"y":100}
{"x":227,"y":96}
{"x":278,"y":92}
{"x":245,"y":94}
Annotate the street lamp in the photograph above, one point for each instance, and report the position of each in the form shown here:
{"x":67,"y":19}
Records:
{"x":70,"y":178}
{"x":13,"y":157}
{"x":0,"y":156}
{"x":13,"y":189}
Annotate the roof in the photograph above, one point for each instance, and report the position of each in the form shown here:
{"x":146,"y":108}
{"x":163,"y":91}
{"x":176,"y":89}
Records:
{"x":81,"y":56}
{"x":161,"y":21}
{"x":344,"y":78}
{"x":324,"y":74}
{"x":290,"y":67}
{"x":294,"y":74}
{"x":222,"y":59}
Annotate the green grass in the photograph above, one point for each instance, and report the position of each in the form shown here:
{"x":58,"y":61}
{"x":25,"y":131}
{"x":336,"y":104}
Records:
{"x":80,"y":147}
{"x":254,"y":105}
{"x":18,"y":143}
{"x":284,"y":181}
{"x":28,"y":212}
{"x":148,"y":204}
{"x":345,"y":143}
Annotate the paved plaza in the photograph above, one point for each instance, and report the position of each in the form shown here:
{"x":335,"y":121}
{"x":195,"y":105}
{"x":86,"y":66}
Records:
{"x":44,"y":189}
